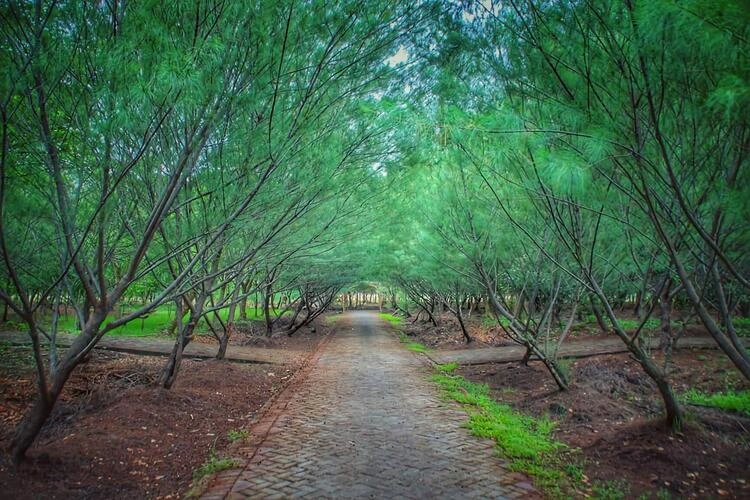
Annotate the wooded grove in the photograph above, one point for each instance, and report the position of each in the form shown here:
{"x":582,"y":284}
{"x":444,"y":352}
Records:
{"x":537,"y":164}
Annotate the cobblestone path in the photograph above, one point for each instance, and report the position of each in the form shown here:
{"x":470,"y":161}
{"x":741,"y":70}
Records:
{"x":365,"y":422}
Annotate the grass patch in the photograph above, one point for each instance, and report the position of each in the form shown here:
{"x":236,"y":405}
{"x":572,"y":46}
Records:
{"x":390,"y":318}
{"x":236,"y":435}
{"x":489,"y":320}
{"x":213,"y":465}
{"x":730,"y":400}
{"x":611,"y":490}
{"x":416,"y":347}
{"x":447,"y":367}
{"x":525,"y":440}
{"x":410,"y":344}
{"x":742,"y":325}
{"x":157,"y":322}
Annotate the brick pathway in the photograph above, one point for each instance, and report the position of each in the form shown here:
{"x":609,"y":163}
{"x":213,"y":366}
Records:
{"x":363,"y":421}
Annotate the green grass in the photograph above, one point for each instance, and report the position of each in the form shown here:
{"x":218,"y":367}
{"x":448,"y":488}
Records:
{"x":390,"y":318}
{"x":611,"y":490}
{"x":155,"y":323}
{"x":489,"y":320}
{"x":213,"y":465}
{"x":730,"y":400}
{"x":411,"y":345}
{"x":526,"y":441}
{"x":237,"y":435}
{"x":742,"y":325}
{"x":447,"y":367}
{"x":416,"y":347}
{"x":395,"y":322}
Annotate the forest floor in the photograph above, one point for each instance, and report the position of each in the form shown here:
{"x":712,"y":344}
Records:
{"x":114,"y":435}
{"x":612,"y":414}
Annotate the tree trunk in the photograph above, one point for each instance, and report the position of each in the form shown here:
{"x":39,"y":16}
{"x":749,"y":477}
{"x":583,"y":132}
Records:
{"x":671,"y":405}
{"x":598,"y":315}
{"x":460,"y":317}
{"x":33,"y":420}
{"x":243,"y":307}
{"x":526,"y":356}
{"x":266,"y":310}
{"x":171,"y":369}
{"x":229,"y":329}
{"x":665,"y":315}
{"x":224,"y":342}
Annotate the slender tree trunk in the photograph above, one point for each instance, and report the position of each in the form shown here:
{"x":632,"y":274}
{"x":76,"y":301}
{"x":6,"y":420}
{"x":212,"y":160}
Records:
{"x":171,"y":369}
{"x":266,"y":309}
{"x":460,"y":317}
{"x":671,"y":404}
{"x":33,"y":420}
{"x":665,"y":315}
{"x":598,"y":315}
{"x":243,"y":305}
{"x":229,"y":329}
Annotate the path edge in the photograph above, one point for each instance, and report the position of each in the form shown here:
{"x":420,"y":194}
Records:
{"x":219,"y":485}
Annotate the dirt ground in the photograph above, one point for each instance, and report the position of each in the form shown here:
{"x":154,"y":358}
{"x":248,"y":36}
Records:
{"x":114,"y":435}
{"x":612,"y":413}
{"x":447,"y":335}
{"x":486,"y":333}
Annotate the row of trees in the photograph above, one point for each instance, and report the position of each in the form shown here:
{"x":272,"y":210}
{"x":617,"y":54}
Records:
{"x":182,"y":152}
{"x":554,"y":159}
{"x":572,"y":157}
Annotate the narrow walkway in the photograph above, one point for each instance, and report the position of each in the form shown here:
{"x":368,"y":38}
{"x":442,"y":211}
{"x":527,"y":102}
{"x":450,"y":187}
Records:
{"x":163,"y":347}
{"x":364,"y":421}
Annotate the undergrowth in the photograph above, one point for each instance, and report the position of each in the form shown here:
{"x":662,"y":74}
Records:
{"x":526,"y":441}
{"x":213,"y":465}
{"x":732,"y":401}
{"x":416,"y":347}
{"x":395,"y":321}
{"x":447,"y":367}
{"x":411,"y":345}
{"x":236,"y":435}
{"x":390,"y":318}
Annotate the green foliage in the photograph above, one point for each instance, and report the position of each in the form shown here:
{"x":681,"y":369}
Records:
{"x":238,"y":434}
{"x":489,"y":320}
{"x":213,"y":465}
{"x":732,"y":401}
{"x":155,"y":323}
{"x":527,"y":441}
{"x":158,"y":322}
{"x":611,"y":490}
{"x":417,"y":347}
{"x":631,"y":324}
{"x":742,"y":325}
{"x":390,"y":318}
{"x":447,"y":367}
{"x":411,"y":345}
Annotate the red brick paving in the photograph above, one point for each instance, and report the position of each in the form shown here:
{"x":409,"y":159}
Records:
{"x":362,"y":420}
